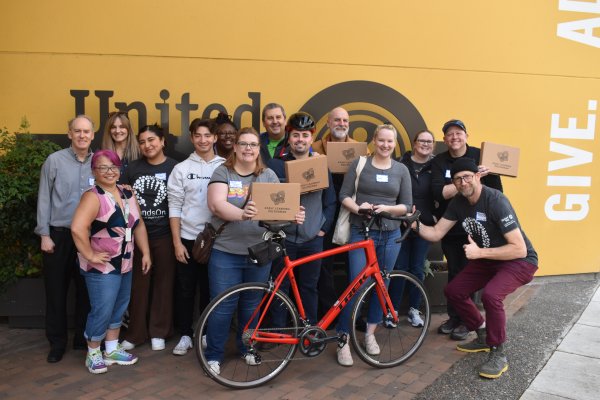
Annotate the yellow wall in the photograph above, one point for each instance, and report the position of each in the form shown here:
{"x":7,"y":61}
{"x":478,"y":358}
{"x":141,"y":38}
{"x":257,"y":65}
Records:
{"x":499,"y":66}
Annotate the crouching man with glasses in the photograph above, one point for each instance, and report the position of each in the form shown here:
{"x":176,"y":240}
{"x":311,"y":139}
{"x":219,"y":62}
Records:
{"x":500,"y":260}
{"x":455,"y":138}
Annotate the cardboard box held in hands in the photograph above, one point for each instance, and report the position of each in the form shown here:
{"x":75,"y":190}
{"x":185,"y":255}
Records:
{"x":341,"y":154}
{"x":276,"y":201}
{"x":310,"y":173}
{"x":500,"y":159}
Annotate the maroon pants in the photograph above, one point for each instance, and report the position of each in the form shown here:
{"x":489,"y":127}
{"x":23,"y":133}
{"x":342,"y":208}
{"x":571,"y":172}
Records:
{"x":151,"y":303}
{"x":497,"y":279}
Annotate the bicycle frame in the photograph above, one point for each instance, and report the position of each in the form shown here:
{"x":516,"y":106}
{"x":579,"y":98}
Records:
{"x":371,"y":269}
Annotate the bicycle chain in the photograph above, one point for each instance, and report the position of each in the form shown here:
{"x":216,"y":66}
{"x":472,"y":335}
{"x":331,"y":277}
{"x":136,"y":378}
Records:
{"x":249,"y":333}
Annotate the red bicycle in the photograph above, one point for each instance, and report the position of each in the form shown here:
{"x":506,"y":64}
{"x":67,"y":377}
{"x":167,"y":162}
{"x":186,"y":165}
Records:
{"x":256,"y":350}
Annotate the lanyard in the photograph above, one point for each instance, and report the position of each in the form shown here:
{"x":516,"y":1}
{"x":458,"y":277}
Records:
{"x":125,"y":211}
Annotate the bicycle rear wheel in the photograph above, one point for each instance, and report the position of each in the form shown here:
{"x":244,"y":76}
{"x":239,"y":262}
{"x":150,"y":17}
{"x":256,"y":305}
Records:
{"x":397,"y":341}
{"x":267,"y":360}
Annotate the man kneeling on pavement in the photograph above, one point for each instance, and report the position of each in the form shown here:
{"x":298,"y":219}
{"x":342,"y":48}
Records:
{"x":501,"y":259}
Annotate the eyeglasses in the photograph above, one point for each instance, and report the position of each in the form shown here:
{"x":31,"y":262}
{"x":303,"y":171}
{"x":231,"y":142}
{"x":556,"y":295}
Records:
{"x":253,"y":145}
{"x":421,"y":141}
{"x":105,"y":168}
{"x":465,"y":178}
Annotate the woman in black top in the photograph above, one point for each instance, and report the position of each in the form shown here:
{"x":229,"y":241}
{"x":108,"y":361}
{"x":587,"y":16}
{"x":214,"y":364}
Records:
{"x":414,"y":249}
{"x":151,"y":304}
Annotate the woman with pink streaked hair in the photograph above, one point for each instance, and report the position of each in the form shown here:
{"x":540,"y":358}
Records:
{"x":104,"y":227}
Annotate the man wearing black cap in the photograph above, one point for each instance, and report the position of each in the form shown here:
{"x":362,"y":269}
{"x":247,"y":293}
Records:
{"x":500,"y":259}
{"x":455,"y":138}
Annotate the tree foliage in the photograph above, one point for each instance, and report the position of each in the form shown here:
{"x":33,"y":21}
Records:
{"x":21,"y":159}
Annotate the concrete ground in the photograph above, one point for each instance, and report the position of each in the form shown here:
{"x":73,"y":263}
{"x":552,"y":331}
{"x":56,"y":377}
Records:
{"x":540,"y":316}
{"x":533,"y":334}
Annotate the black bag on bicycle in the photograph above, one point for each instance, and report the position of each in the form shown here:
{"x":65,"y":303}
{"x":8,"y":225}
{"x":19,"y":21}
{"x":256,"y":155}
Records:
{"x":265,"y":252}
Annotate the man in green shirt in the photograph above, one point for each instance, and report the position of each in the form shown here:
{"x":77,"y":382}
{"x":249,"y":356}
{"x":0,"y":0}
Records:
{"x":272,"y":142}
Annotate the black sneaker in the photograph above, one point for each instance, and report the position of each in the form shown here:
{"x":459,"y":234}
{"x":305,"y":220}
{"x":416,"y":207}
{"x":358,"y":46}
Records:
{"x":496,"y":365}
{"x":476,"y":345}
{"x":448,"y":326}
{"x":459,"y":333}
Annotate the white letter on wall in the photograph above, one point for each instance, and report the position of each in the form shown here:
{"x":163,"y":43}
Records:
{"x":572,"y":200}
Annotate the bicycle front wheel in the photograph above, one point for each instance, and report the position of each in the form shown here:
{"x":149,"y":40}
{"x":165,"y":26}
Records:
{"x":395,"y":342}
{"x":242,"y":362}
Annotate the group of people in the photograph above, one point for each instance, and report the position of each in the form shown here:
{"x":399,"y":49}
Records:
{"x":122,"y":221}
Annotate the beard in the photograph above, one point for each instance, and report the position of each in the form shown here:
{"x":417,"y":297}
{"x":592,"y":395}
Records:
{"x":467,"y":192}
{"x":339,"y":133}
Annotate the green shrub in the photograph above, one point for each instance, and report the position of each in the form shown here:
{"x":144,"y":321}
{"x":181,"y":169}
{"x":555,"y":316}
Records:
{"x":21,"y":159}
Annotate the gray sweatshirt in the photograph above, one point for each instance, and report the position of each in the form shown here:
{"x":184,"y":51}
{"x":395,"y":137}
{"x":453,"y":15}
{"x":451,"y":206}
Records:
{"x":187,"y":193}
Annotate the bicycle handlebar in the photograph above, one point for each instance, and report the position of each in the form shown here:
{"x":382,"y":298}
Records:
{"x":408,"y":219}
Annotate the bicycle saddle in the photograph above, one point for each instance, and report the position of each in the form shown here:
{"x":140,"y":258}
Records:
{"x":274,"y":226}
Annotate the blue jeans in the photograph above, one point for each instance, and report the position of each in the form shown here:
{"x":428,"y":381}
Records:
{"x":387,"y":252}
{"x":226,"y":270}
{"x":411,"y":259}
{"x":307,"y":277}
{"x":109,"y":298}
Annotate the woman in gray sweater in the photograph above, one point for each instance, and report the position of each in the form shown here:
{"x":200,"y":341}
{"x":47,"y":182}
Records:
{"x":383,"y":185}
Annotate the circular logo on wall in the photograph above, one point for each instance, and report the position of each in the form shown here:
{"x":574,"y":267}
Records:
{"x":369,"y":104}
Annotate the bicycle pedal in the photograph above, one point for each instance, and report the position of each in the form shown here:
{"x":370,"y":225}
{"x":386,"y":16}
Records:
{"x":342,"y":340}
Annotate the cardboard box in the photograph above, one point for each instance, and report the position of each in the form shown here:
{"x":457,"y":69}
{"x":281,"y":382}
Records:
{"x":310,"y":173}
{"x":500,"y":159}
{"x":341,"y":154}
{"x":276,"y":201}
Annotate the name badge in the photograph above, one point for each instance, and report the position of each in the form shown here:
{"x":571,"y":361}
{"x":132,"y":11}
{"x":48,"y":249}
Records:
{"x":381,"y":178}
{"x":128,"y":234}
{"x":448,"y":174}
{"x":479,"y":216}
{"x":161,"y":175}
{"x":235,"y":184}
{"x":91,"y":181}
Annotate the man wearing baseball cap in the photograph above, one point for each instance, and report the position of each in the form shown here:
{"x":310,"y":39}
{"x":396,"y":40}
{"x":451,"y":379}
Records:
{"x":500,"y":260}
{"x":455,"y":138}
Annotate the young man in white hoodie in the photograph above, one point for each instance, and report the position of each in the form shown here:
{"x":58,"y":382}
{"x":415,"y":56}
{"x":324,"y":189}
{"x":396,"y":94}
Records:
{"x":188,"y":212}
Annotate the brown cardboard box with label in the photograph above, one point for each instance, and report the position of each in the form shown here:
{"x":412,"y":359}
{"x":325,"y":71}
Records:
{"x":276,"y":201}
{"x":341,"y":154}
{"x":500,"y":159}
{"x":310,"y":173}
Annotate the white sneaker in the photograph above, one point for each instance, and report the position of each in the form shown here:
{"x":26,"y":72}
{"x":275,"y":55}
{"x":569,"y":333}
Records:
{"x":215,"y":367}
{"x":371,"y":345}
{"x":157,"y":344}
{"x":388,"y":321}
{"x":204,"y":345}
{"x":414,"y":317}
{"x":185,"y":343}
{"x":344,"y":357}
{"x":127,"y":345}
{"x":252,"y":359}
